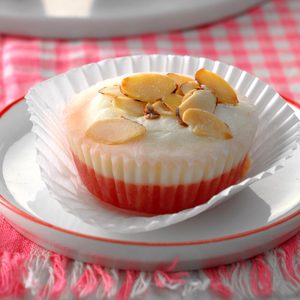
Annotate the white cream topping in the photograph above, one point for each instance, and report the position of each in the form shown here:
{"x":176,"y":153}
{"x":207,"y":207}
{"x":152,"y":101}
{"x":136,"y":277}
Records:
{"x":165,"y":139}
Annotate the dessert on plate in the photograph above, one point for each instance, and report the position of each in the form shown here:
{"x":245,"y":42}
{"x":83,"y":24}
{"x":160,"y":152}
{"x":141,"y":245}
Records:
{"x":160,"y":143}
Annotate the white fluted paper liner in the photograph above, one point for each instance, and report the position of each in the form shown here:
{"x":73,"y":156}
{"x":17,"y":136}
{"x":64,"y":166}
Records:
{"x":276,"y":139}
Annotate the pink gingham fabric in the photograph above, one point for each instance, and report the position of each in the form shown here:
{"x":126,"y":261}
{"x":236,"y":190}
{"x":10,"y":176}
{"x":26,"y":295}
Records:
{"x":264,"y":41}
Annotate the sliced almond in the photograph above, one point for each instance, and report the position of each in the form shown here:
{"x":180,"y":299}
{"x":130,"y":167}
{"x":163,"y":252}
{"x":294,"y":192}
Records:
{"x":179,"y":79}
{"x":179,"y":119}
{"x":162,"y":109}
{"x":113,"y":90}
{"x":130,"y":106}
{"x":115,"y":131}
{"x":201,"y":99}
{"x":204,"y":123}
{"x":222,"y":89}
{"x":150,"y":113}
{"x":188,"y":86}
{"x":148,"y":87}
{"x":188,"y":94}
{"x":172,"y":101}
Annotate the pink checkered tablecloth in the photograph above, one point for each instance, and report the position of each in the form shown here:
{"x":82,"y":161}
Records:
{"x":264,"y":41}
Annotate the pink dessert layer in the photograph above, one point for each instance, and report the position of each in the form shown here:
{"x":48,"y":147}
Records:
{"x":156,"y":199}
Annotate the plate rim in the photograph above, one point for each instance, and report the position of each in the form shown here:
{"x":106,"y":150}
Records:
{"x":6,"y":203}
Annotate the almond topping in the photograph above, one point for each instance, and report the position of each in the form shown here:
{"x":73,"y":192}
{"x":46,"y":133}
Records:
{"x":115,"y":131}
{"x":172,"y":101}
{"x":179,"y":79}
{"x":188,"y":86}
{"x":204,"y":123}
{"x":150,"y":112}
{"x":180,"y":121}
{"x":148,"y":87}
{"x":188,"y":94}
{"x":113,"y":90}
{"x":130,"y":106}
{"x":162,"y":109}
{"x":222,"y":89}
{"x":201,"y":99}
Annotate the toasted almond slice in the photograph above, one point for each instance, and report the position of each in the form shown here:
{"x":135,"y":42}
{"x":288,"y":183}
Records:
{"x":113,"y":90}
{"x":188,"y":86}
{"x":162,"y":109}
{"x":179,"y":79}
{"x":148,"y":87}
{"x":201,"y":99}
{"x":150,"y":113}
{"x":115,"y":131}
{"x":204,"y":123}
{"x":130,"y":106}
{"x":188,"y":94}
{"x":178,"y":117}
{"x":222,"y":89}
{"x":172,"y":101}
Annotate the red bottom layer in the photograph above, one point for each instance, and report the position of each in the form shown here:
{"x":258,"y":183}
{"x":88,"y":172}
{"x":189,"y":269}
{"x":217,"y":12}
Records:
{"x":156,"y":199}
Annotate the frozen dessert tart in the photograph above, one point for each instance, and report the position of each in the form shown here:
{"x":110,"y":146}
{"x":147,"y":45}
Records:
{"x":160,"y":143}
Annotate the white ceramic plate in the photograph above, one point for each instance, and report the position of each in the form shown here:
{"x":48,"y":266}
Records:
{"x":258,"y":218}
{"x":96,"y":18}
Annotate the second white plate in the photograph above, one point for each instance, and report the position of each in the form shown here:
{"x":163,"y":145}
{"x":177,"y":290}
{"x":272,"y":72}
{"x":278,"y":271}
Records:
{"x":88,"y":18}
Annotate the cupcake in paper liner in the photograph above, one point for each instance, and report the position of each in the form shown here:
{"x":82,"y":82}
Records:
{"x":160,"y":143}
{"x":160,"y":165}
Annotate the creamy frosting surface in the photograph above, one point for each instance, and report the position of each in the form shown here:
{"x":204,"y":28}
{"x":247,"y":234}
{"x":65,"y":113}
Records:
{"x":165,"y":141}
